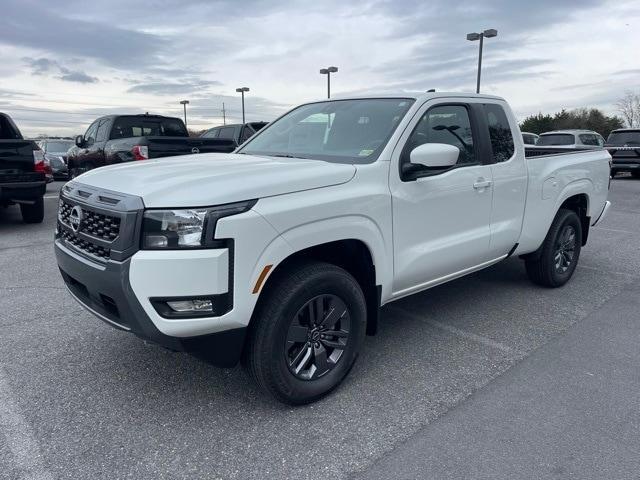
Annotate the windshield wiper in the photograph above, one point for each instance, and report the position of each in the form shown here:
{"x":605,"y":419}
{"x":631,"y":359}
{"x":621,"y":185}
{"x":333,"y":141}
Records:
{"x":287,"y":155}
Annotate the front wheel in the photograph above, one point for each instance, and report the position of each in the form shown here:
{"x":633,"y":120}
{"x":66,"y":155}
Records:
{"x":307,"y":332}
{"x":558,"y":256}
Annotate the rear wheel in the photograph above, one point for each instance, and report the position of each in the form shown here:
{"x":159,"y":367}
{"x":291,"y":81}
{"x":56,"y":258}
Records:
{"x":558,"y":256}
{"x":33,"y":213}
{"x":307,"y":332}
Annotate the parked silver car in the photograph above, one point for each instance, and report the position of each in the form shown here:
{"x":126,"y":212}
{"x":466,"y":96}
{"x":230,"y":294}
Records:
{"x":581,"y":139}
{"x":530,"y":138}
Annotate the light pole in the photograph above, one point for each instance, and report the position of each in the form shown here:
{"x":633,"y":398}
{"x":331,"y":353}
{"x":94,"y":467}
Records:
{"x":184,"y":103}
{"x":492,"y":32}
{"x":328,"y":71}
{"x":242,"y":90}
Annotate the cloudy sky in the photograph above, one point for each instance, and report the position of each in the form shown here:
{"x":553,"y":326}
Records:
{"x":66,"y":62}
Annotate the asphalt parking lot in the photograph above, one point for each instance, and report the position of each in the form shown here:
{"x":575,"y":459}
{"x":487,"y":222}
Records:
{"x":81,"y":400}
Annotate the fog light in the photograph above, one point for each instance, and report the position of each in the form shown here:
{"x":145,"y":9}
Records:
{"x":182,"y":306}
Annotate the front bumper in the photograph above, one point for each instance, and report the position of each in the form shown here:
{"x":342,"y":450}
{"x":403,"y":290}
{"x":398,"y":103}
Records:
{"x":120,"y":293}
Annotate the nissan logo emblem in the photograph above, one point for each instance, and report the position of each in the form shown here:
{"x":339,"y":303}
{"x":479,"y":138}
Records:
{"x":75,"y":218}
{"x":195,"y":150}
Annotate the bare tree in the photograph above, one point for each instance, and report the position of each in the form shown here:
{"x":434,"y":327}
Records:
{"x":629,"y":107}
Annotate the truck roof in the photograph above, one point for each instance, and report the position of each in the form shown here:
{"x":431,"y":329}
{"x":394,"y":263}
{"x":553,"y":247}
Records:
{"x":146,"y":115}
{"x":568,"y":131}
{"x":415,"y":96}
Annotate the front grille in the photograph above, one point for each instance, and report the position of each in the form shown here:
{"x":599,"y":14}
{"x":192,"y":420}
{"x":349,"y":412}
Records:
{"x":95,"y":225}
{"x":98,"y":225}
{"x":86,"y":246}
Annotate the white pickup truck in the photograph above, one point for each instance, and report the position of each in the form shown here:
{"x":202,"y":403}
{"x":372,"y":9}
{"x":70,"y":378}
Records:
{"x":282,"y":253}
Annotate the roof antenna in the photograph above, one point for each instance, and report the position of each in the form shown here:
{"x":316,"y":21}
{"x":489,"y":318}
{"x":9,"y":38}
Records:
{"x":431,"y":90}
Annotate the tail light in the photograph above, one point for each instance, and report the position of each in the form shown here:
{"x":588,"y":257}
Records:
{"x":39,"y":161}
{"x":140,"y":152}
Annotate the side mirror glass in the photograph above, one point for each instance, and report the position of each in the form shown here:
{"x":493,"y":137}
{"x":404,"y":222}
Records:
{"x":435,"y":155}
{"x":79,"y":141}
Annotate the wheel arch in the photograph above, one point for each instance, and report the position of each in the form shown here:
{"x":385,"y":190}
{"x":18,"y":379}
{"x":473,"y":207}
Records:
{"x":579,"y":203}
{"x":352,"y":254}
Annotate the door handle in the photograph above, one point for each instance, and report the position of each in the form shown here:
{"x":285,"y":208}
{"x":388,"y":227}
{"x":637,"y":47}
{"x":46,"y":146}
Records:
{"x":481,"y":183}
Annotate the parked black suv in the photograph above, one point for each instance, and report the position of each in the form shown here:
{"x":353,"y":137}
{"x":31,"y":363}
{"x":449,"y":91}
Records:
{"x":624,"y":147}
{"x":123,"y":138}
{"x":22,"y":172}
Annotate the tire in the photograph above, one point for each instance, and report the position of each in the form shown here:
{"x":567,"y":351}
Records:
{"x":33,"y":213}
{"x":283,"y":347}
{"x":558,"y":256}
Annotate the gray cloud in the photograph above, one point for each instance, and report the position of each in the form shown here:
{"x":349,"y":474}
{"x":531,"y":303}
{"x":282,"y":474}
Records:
{"x":78,"y":77}
{"x":44,"y":66}
{"x":32,"y":24}
{"x":173,"y":88}
{"x":40,"y":66}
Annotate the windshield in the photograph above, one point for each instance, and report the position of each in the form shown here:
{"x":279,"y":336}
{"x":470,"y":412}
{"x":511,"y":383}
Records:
{"x":58,"y":147}
{"x":341,"y":131}
{"x":624,"y":138}
{"x":556,"y":139}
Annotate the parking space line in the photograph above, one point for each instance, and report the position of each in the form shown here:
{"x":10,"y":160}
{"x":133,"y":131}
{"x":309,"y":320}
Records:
{"x":597,"y":269}
{"x":616,"y":230}
{"x":455,"y":331}
{"x":23,"y":445}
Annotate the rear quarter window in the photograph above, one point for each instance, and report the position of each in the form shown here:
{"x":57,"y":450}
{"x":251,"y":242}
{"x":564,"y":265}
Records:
{"x":499,"y":132}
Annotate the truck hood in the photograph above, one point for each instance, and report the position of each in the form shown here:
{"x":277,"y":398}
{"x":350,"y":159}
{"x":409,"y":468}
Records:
{"x":215,"y":178}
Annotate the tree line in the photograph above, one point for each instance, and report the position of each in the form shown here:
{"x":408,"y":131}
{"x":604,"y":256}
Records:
{"x":587,"y":118}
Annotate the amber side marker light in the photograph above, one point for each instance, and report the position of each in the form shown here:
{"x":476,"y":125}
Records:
{"x":263,"y":275}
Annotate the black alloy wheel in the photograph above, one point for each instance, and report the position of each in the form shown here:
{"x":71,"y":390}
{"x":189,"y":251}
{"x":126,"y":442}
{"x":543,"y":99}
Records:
{"x":317,"y":337}
{"x":306,"y":332}
{"x":565,"y":249}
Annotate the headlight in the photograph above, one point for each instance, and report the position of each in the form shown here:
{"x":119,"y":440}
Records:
{"x":189,"y":228}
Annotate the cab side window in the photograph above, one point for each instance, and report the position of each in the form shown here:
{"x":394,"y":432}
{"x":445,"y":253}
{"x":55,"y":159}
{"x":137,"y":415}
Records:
{"x":103,"y":131}
{"x":213,"y":133}
{"x":499,"y":132}
{"x":448,"y":124}
{"x":247,"y":133}
{"x":90,"y":135}
{"x":591,"y":139}
{"x":227,"y":133}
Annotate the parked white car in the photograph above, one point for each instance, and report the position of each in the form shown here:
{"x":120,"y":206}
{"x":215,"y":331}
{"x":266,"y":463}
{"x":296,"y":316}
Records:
{"x":283,"y":252}
{"x":571,"y":139}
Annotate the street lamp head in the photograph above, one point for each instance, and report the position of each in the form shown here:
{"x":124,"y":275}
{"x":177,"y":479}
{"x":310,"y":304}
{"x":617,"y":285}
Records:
{"x":473,"y":36}
{"x":242,"y":89}
{"x":332,"y":69}
{"x":492,"y":32}
{"x":184,"y":102}
{"x":324,"y":71}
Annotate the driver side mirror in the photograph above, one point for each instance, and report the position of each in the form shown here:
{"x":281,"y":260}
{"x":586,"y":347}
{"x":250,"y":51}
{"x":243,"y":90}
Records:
{"x":79,"y":141}
{"x":434,"y":155}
